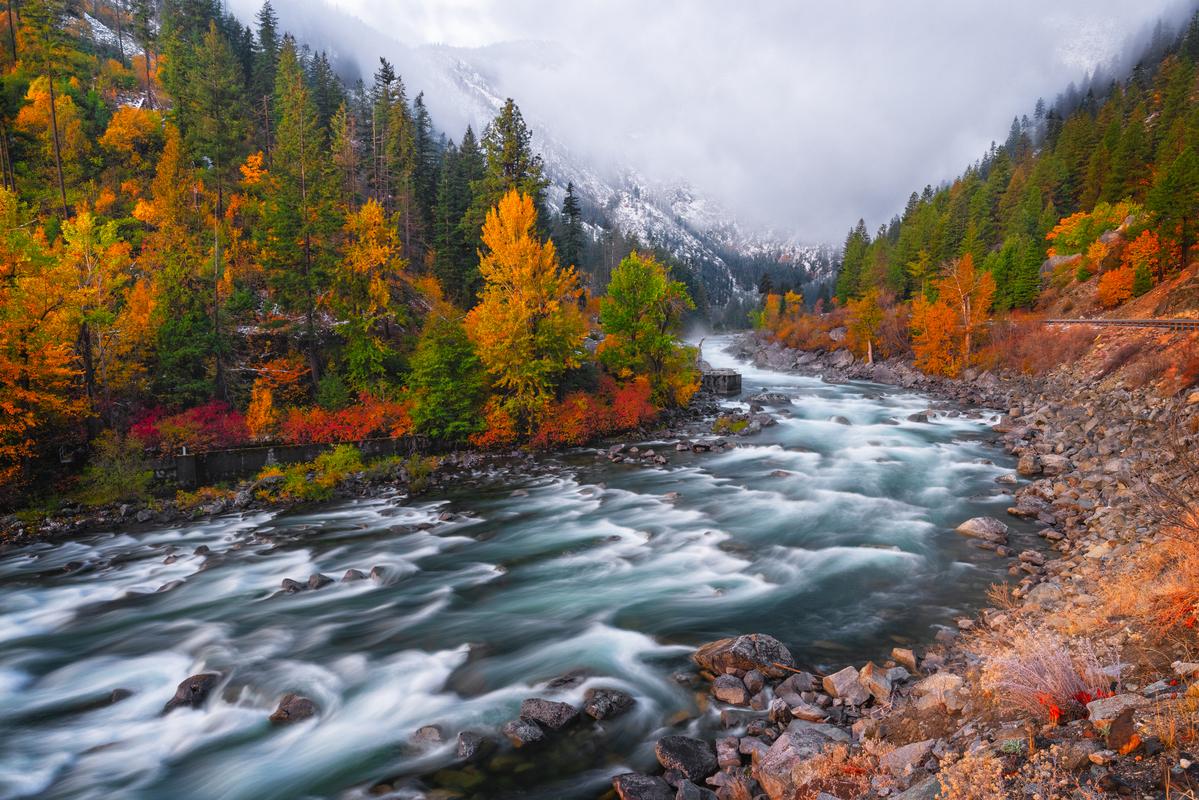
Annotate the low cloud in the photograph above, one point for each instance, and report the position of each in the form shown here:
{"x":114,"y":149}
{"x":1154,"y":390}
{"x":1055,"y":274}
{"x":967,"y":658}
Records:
{"x":798,"y":116}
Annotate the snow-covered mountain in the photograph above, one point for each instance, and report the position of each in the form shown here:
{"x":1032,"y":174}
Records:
{"x":672,"y":216}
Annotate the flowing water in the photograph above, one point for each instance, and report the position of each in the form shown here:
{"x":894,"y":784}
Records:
{"x":836,"y":538}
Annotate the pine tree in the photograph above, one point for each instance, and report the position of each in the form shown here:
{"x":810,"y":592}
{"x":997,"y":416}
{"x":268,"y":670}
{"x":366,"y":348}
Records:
{"x":571,"y":234}
{"x":43,"y":21}
{"x":1174,"y":201}
{"x":511,"y":164}
{"x":447,"y":381}
{"x":300,"y":223}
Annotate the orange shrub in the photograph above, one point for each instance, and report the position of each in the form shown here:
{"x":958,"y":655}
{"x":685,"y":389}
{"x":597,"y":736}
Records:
{"x":499,"y":427}
{"x":369,"y":417}
{"x":582,"y":417}
{"x":1115,"y":286}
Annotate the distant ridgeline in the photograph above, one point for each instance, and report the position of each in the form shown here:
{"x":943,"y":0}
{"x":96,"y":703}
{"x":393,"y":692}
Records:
{"x":209,"y":240}
{"x":1126,"y":145}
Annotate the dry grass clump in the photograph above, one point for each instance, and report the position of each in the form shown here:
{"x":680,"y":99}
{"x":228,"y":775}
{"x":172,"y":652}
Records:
{"x":1176,"y":721}
{"x":1043,"y":673}
{"x":1025,"y":344}
{"x":1044,"y":776}
{"x":976,"y":775}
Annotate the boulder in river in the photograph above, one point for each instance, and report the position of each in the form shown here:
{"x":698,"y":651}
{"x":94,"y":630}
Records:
{"x":290,"y":586}
{"x":549,"y":713}
{"x":353,"y":575}
{"x":986,"y":528}
{"x":473,"y":745}
{"x":605,"y":703}
{"x":293,"y":708}
{"x":193,"y":691}
{"x":730,"y":689}
{"x":693,"y":758}
{"x":522,"y":732}
{"x":633,"y":786}
{"x":318,"y":581}
{"x":751,"y":651}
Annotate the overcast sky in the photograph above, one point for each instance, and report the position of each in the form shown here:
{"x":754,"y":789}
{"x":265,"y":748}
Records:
{"x":802,"y":116}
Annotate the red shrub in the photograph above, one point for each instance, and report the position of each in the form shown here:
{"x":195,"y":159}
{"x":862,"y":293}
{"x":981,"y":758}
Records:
{"x":212,"y":426}
{"x":367,"y":418}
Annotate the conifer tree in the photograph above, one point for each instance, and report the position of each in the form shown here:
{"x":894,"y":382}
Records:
{"x":571,"y":235}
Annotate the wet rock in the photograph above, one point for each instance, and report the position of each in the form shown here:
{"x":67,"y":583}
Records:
{"x":118,"y":695}
{"x":727,"y":754}
{"x":428,"y":735}
{"x":606,"y":703}
{"x":730,"y":689}
{"x":353,"y":575}
{"x":290,"y":586}
{"x":472,"y":746}
{"x":632,"y":786}
{"x":692,"y":757}
{"x":293,"y":708}
{"x":987,"y":528}
{"x":751,"y":651}
{"x":921,"y":416}
{"x":755,"y":681}
{"x":522,"y":732}
{"x":202,"y":550}
{"x":378,"y":574}
{"x":318,"y":581}
{"x":193,"y":691}
{"x":840,"y":420}
{"x":549,"y":713}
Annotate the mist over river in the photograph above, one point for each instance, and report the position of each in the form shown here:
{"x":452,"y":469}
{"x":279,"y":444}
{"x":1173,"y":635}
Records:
{"x":835,"y":538}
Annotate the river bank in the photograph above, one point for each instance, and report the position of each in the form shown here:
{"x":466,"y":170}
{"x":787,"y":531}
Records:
{"x":979,"y":712}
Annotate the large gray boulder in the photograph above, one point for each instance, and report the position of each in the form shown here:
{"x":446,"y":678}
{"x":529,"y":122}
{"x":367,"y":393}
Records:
{"x":743,"y":653}
{"x":986,"y":528}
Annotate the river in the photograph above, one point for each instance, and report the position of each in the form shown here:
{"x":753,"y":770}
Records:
{"x":836,"y":538}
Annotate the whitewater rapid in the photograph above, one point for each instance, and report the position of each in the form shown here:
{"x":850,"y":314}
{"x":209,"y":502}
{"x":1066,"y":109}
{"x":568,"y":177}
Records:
{"x":835,"y":538}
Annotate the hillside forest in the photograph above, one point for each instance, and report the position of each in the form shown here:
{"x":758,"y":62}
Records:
{"x":210,"y":240}
{"x":1090,"y":207}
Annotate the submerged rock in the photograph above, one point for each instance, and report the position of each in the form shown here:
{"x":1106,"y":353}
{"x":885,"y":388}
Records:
{"x":293,"y":708}
{"x":693,"y":758}
{"x":193,"y":691}
{"x":550,"y":713}
{"x":353,"y":575}
{"x":606,"y":703}
{"x":633,"y":786}
{"x":318,"y":581}
{"x":473,"y":745}
{"x":751,"y":651}
{"x":523,"y":732}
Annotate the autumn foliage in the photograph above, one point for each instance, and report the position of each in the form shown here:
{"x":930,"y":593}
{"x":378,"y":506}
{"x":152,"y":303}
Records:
{"x":581,"y":416}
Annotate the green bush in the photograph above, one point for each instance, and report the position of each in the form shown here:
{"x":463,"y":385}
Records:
{"x":117,"y":472}
{"x":315,"y":480}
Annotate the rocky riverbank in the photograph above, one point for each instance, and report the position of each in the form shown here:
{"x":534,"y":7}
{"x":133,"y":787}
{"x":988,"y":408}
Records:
{"x":935,"y":724}
{"x":391,"y":476}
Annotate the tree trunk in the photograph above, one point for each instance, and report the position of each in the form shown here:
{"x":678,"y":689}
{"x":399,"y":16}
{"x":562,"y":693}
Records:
{"x":12,"y":31}
{"x":216,"y":288}
{"x":62,"y":186}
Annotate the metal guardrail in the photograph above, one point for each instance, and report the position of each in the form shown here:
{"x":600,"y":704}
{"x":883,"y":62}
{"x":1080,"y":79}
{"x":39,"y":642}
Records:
{"x":1170,"y":324}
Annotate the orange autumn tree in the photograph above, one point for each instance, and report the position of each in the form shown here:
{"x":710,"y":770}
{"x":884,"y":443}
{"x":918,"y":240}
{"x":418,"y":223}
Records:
{"x":943,"y":332}
{"x":527,"y":327}
{"x":38,"y":323}
{"x":968,"y":292}
{"x":1115,"y":286}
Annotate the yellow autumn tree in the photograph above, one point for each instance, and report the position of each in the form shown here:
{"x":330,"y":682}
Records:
{"x":261,"y":416}
{"x":865,"y":322}
{"x":362,"y":292}
{"x":527,"y":327}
